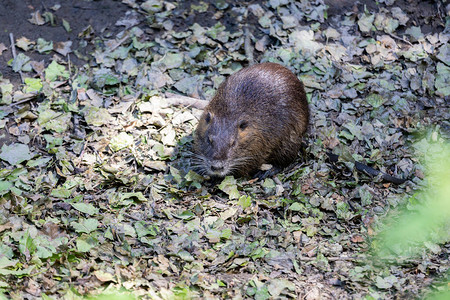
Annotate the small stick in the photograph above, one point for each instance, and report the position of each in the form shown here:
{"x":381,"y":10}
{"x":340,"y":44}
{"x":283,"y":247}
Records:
{"x":70,"y":68}
{"x":178,"y":100}
{"x":13,"y":48}
{"x":119,"y":43}
{"x":399,"y":38}
{"x":29,"y":97}
{"x":333,"y":258}
{"x":248,"y":46}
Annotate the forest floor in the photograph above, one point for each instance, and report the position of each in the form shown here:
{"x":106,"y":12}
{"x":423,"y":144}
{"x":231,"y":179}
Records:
{"x":97,"y":193}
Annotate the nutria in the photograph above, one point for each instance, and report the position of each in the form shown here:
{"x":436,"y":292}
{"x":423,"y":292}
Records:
{"x":257,"y":117}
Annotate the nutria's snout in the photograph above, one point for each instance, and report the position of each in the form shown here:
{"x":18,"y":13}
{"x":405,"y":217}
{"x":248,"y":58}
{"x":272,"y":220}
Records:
{"x":214,"y":150}
{"x":216,"y":168}
{"x":258,"y":116}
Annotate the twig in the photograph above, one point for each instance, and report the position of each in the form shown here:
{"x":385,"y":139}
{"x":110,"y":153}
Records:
{"x":248,"y":46}
{"x":53,"y":118}
{"x":70,"y":68}
{"x":399,"y":38}
{"x":80,"y":157}
{"x":13,"y":48}
{"x":29,"y":97}
{"x":178,"y":100}
{"x":333,"y":258}
{"x":119,"y":43}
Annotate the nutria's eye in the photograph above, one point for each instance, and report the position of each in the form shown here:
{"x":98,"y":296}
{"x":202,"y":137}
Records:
{"x":208,"y":118}
{"x":243,"y":125}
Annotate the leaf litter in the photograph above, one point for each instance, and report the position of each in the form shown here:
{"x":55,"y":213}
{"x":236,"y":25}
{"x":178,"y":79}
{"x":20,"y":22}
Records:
{"x":96,"y":184}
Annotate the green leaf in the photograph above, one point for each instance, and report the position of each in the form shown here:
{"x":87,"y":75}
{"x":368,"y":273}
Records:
{"x":86,"y":226}
{"x":5,"y":262}
{"x":347,"y":135}
{"x":103,"y":77}
{"x":245,"y":201}
{"x":375,"y":100}
{"x":386,"y":283}
{"x":265,"y":21}
{"x":354,"y":129}
{"x":52,"y":141}
{"x":15,"y":153}
{"x":128,"y":196}
{"x":41,"y":161}
{"x":343,"y":211}
{"x":33,"y":85}
{"x":96,"y":116}
{"x":186,"y":256}
{"x":66,"y":25}
{"x":5,"y":186}
{"x":296,"y":206}
{"x":442,"y":81}
{"x":44,"y":251}
{"x":187,"y":85}
{"x":55,"y":70}
{"x":175,"y":174}
{"x":218,"y":32}
{"x":86,"y":208}
{"x":129,"y":230}
{"x":86,"y":243}
{"x":311,"y":82}
{"x":186,"y":215}
{"x":269,"y":183}
{"x":22,"y":272}
{"x":121,"y":141}
{"x":220,"y":4}
{"x":228,"y":185}
{"x":152,"y":6}
{"x":366,"y":196}
{"x":144,"y":228}
{"x":56,"y":121}
{"x":27,"y":245}
{"x":201,"y":7}
{"x":433,"y":247}
{"x":61,"y":193}
{"x":19,"y":62}
{"x":365,"y":22}
{"x":226,"y":233}
{"x":170,"y":61}
{"x":311,"y":230}
{"x":5,"y":98}
{"x":262,"y":293}
{"x":213,"y":235}
{"x":43,"y":46}
{"x":276,"y":286}
{"x":415,"y":33}
{"x":194,"y":178}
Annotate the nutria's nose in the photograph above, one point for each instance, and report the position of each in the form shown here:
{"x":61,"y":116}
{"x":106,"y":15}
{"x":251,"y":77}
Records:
{"x":216,"y":168}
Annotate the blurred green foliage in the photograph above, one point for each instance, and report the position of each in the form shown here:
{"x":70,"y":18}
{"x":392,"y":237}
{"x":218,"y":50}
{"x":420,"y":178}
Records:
{"x":425,"y":223}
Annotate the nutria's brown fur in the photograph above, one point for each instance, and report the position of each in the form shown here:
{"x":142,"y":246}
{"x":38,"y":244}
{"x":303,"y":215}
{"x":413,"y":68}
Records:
{"x":258,"y":116}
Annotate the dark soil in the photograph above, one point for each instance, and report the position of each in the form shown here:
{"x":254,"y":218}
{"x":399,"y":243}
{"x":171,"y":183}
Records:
{"x":426,"y":14}
{"x":14,"y":15}
{"x":102,"y":16}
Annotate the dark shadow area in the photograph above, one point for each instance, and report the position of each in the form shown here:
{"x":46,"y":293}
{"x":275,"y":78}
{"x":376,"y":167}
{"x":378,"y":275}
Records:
{"x":14,"y":15}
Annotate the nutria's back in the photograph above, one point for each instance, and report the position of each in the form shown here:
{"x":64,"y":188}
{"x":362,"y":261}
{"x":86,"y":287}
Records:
{"x":258,"y":116}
